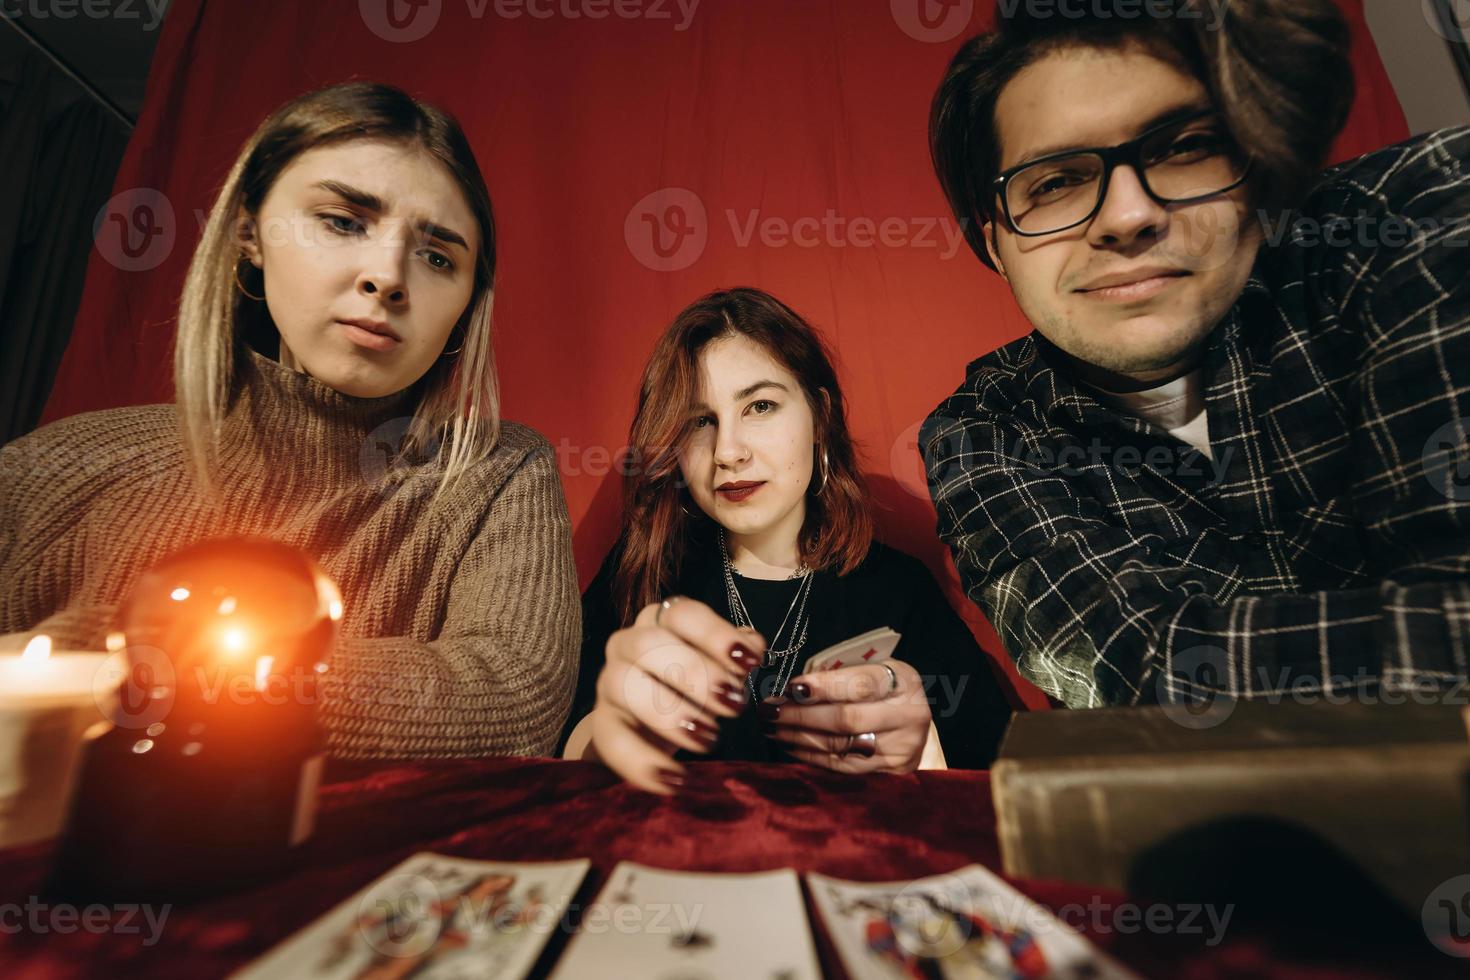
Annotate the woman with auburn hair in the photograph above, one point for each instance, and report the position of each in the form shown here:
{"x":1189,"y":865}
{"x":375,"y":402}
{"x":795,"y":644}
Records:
{"x":747,"y":547}
{"x":336,"y":392}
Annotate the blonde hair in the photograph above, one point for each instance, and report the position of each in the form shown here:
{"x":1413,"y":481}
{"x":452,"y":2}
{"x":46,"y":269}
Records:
{"x":457,"y":419}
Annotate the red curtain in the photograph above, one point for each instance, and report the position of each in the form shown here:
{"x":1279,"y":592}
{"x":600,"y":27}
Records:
{"x":639,"y":153}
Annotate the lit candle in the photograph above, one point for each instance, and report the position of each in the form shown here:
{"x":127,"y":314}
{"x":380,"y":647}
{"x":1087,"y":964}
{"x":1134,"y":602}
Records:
{"x":47,"y":702}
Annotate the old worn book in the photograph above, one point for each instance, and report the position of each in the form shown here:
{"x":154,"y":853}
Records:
{"x":1144,"y":799}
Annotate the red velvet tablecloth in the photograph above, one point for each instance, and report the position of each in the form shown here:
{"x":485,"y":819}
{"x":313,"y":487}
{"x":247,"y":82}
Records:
{"x":731,"y":817}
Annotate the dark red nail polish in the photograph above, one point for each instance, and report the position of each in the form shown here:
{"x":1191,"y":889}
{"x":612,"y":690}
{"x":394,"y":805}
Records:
{"x":801,"y":692}
{"x":768,"y":711}
{"x":671,"y":779}
{"x":731,"y":695}
{"x":705,"y":733}
{"x":744,"y":658}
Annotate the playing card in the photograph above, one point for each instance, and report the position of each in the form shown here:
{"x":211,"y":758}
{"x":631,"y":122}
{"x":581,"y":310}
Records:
{"x":965,"y":925}
{"x":435,"y":918}
{"x":674,"y":924}
{"x":872,"y":647}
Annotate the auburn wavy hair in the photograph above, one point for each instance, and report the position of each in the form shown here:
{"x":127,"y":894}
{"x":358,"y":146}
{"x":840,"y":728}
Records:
{"x":660,"y":519}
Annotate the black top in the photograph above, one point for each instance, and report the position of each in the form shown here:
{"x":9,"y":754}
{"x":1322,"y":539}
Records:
{"x":889,"y":589}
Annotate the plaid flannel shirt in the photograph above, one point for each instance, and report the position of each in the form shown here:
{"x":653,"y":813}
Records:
{"x":1325,"y":548}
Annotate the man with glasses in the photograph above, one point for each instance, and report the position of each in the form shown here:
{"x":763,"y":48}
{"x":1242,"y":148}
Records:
{"x":1231,"y":460}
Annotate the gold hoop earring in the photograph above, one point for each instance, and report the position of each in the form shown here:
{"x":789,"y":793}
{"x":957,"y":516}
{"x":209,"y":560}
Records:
{"x":826,"y":469}
{"x":241,"y":286}
{"x":451,"y":353}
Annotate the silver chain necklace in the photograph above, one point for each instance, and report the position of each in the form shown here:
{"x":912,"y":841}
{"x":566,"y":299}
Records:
{"x":740,"y":616}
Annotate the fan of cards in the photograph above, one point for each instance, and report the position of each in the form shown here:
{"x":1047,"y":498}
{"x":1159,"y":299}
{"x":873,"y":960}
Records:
{"x":441,"y":918}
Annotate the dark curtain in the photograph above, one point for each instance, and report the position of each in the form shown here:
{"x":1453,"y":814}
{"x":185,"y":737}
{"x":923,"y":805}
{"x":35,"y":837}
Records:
{"x":56,"y":170}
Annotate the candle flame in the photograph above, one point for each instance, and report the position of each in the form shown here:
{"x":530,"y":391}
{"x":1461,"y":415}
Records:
{"x":38,"y":649}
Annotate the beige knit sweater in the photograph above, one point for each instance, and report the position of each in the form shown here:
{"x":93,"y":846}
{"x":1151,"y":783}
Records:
{"x":461,"y":626}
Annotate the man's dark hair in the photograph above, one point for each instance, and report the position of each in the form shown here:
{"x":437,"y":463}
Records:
{"x":1278,"y":71}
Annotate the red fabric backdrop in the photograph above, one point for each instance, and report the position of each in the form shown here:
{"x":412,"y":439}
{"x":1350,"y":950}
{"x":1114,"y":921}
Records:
{"x":782,"y":141}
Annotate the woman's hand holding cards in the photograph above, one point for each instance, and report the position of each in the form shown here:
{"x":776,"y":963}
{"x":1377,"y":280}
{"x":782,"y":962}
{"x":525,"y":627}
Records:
{"x":667,"y":680}
{"x":866,"y":718}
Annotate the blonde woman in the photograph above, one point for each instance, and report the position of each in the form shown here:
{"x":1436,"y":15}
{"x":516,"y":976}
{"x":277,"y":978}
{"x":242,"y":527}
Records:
{"x":336,"y":391}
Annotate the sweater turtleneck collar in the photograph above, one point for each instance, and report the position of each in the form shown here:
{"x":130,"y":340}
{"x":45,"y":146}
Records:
{"x":290,"y":421}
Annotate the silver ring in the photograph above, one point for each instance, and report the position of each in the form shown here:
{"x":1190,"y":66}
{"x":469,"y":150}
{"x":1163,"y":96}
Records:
{"x":865,"y":746}
{"x":664,"y":607}
{"x":892,"y":679}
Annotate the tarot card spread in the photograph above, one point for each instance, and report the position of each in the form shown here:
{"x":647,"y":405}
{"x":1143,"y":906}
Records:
{"x":436,"y":918}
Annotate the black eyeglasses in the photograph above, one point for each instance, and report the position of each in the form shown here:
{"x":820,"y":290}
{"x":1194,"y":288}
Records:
{"x":1182,"y":161}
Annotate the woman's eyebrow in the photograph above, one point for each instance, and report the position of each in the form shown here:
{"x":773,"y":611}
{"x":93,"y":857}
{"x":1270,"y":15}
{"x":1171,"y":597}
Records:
{"x":369,"y":201}
{"x":447,"y":235}
{"x":746,"y":392}
{"x":352,"y":195}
